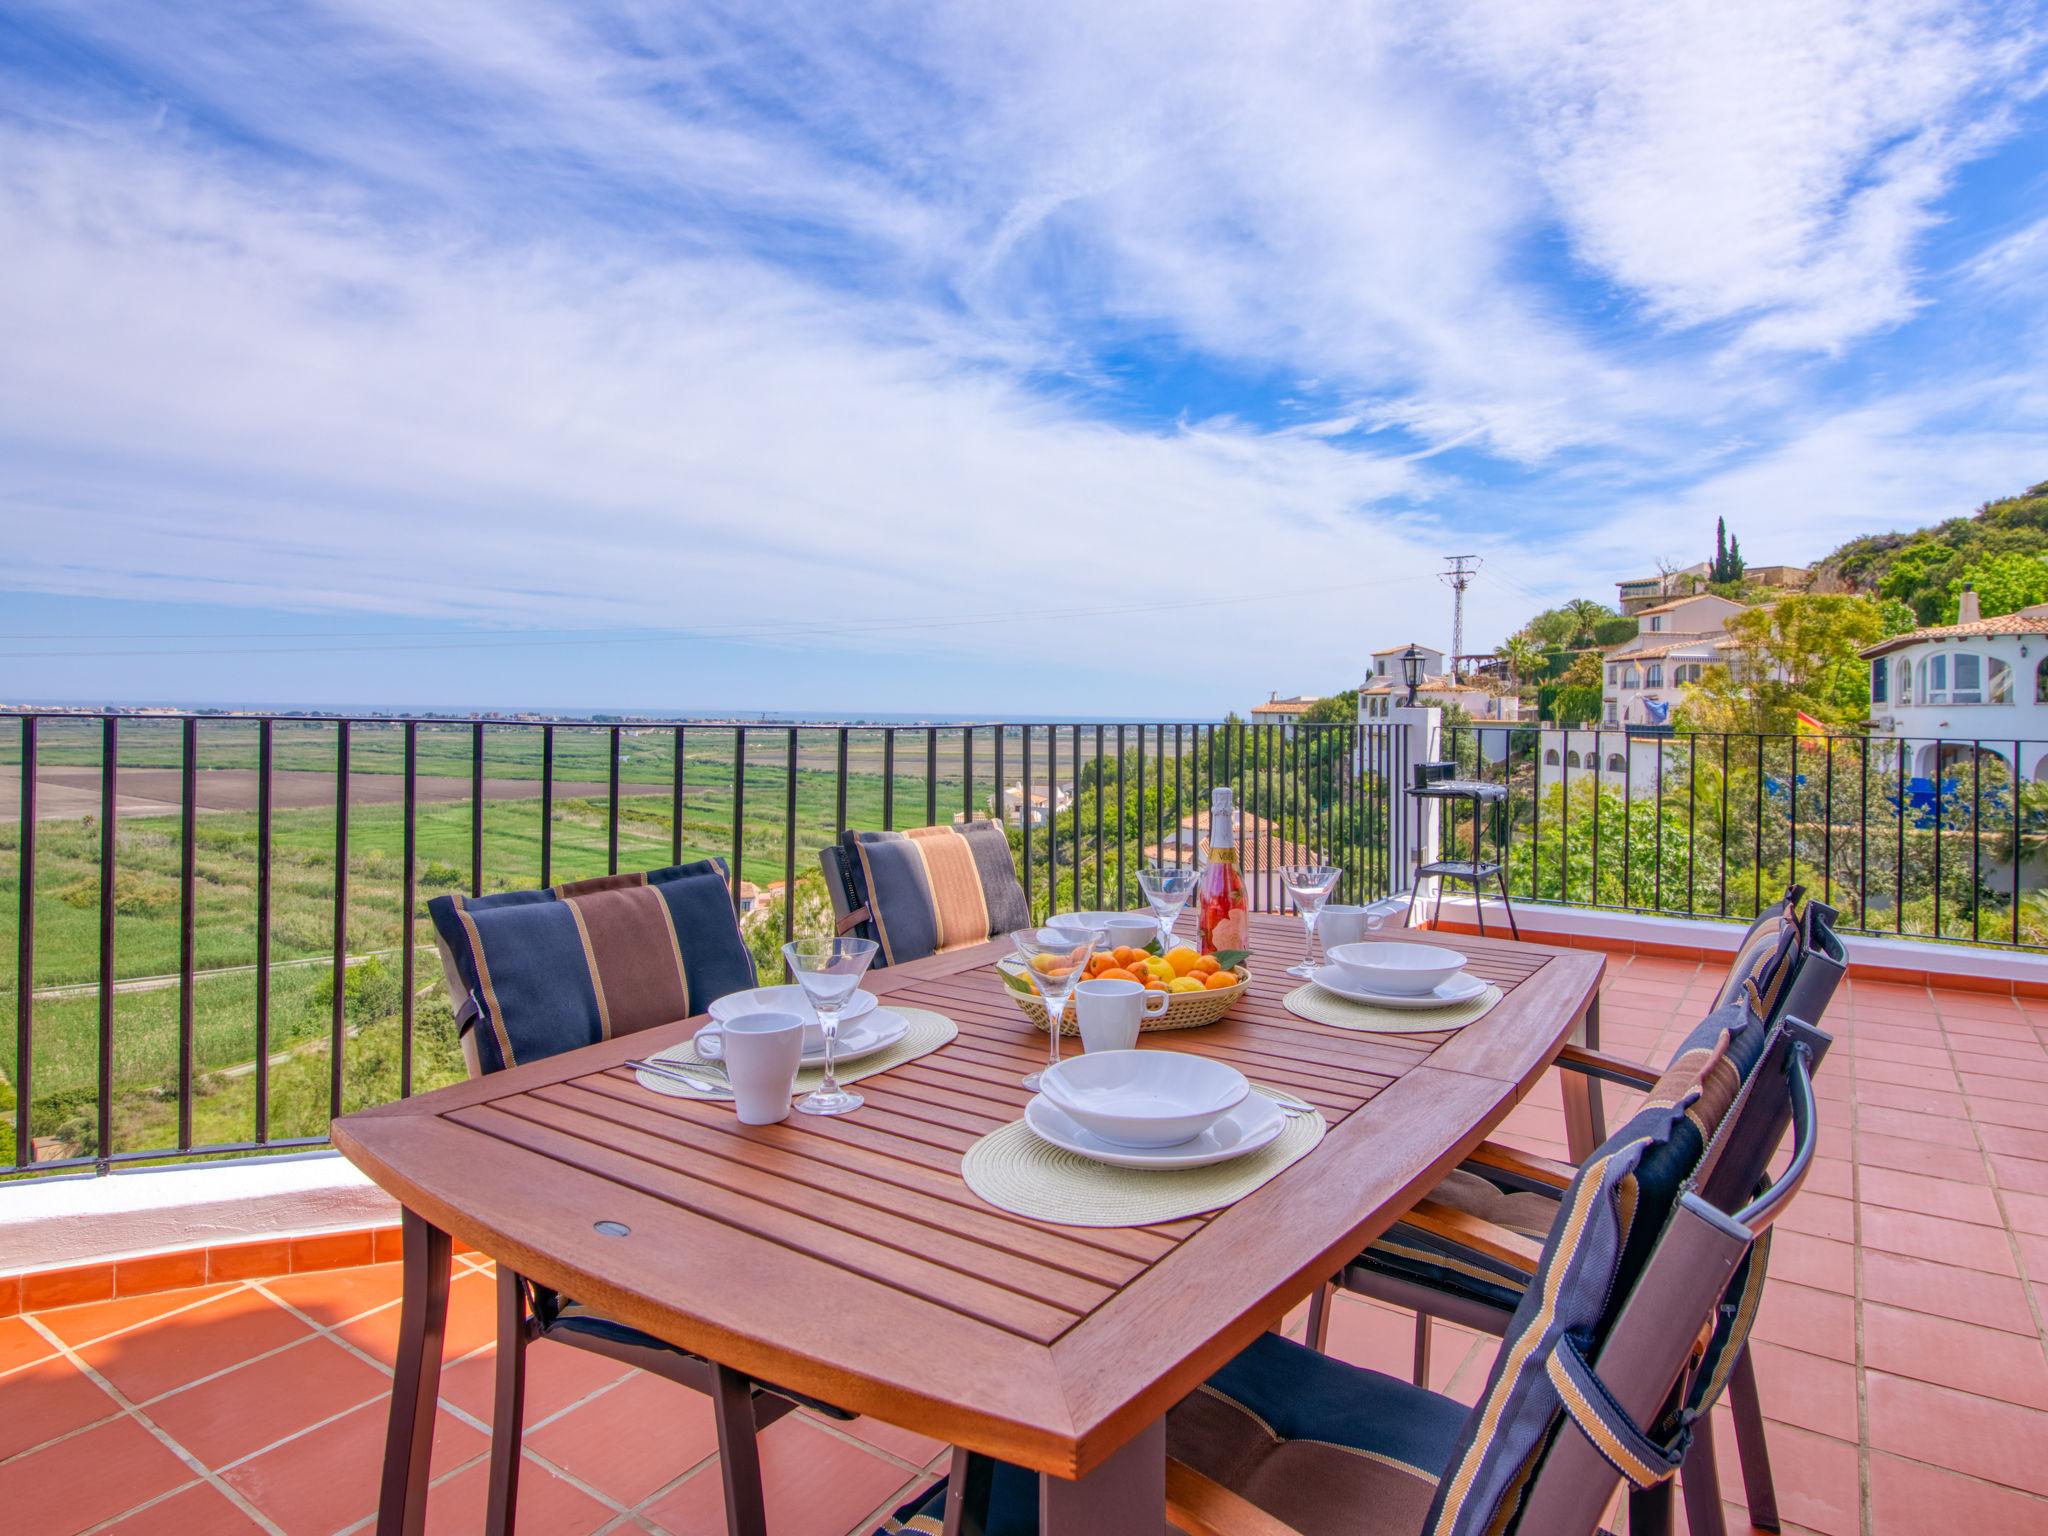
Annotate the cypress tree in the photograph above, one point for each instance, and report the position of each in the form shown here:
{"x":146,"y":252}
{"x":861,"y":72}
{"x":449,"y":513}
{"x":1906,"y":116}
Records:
{"x":1720,"y":549}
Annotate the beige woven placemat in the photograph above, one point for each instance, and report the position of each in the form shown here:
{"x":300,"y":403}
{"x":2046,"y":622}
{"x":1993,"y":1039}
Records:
{"x":1311,"y":1002}
{"x":928,"y":1031}
{"x":1015,"y":1171}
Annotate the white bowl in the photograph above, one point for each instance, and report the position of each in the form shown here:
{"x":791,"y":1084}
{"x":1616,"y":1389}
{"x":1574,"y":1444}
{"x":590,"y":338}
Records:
{"x":1402,"y":970}
{"x":1136,"y":929}
{"x":1144,"y":1098}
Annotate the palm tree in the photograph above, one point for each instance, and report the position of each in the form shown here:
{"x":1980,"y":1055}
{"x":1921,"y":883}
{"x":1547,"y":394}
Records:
{"x":1585,"y":614}
{"x":1521,"y":656}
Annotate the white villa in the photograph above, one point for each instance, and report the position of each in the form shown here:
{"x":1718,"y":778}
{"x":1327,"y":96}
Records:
{"x":1675,"y":645}
{"x":1283,"y":712}
{"x":1384,"y":687}
{"x":1951,"y":685}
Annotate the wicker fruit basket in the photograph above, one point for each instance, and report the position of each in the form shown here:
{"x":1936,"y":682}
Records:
{"x":1184,"y":1010}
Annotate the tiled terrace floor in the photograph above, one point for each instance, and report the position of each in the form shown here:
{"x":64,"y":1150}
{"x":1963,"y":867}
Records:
{"x":1901,"y":1355}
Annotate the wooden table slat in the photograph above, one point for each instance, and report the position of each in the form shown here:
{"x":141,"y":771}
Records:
{"x":846,"y":1257}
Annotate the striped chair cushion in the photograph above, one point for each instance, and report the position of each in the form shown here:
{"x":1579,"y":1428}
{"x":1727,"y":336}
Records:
{"x":1608,"y":1222}
{"x":1329,"y":1448}
{"x":547,"y":971}
{"x":1427,"y":1259}
{"x":936,"y":888}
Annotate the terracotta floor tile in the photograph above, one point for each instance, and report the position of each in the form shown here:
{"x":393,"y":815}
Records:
{"x":91,"y":1477}
{"x":96,"y":1319}
{"x":2021,"y":1173}
{"x":1968,"y":1295}
{"x":817,"y":1485}
{"x":334,"y":1296}
{"x":1827,"y":1216}
{"x":1818,"y":1322}
{"x":642,"y":1434}
{"x":171,"y":1351}
{"x":2024,"y":1115}
{"x":1963,"y":1165}
{"x":1912,"y":1496}
{"x":549,"y":1505}
{"x":903,"y":1444}
{"x":198,"y":1511}
{"x":222,"y":1420}
{"x":2027,"y":1212}
{"x":327,"y":1478}
{"x":1818,"y":1482}
{"x":1942,"y":1098}
{"x":1996,"y":1441}
{"x":1966,"y":1356}
{"x":2014,"y":1142}
{"x":1816,"y":1261}
{"x":1940,"y":1129}
{"x":1931,"y":1237}
{"x":1930,"y":1197}
{"x":472,"y":1321}
{"x":1806,"y":1390}
{"x":19,"y":1344}
{"x":50,"y":1398}
{"x":556,"y":1376}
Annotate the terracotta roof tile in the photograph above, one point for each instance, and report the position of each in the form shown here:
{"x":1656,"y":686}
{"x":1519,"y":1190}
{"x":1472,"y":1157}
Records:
{"x":2028,"y":621}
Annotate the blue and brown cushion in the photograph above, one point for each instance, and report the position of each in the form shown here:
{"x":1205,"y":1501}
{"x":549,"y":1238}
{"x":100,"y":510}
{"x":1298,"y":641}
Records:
{"x":1768,"y":957}
{"x":932,"y":889}
{"x":1608,"y":1222}
{"x":1331,"y":1449}
{"x":1440,"y":1263}
{"x":547,"y":971}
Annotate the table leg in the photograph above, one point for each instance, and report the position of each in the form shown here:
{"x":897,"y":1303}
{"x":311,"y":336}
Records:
{"x":1125,"y":1495}
{"x":416,"y":1383}
{"x":1585,"y":1117}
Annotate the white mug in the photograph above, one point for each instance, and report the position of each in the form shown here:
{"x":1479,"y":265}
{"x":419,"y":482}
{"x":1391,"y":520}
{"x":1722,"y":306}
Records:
{"x":761,"y":1054}
{"x":709,"y":1042}
{"x":1343,"y":925}
{"x":1109,"y":1011}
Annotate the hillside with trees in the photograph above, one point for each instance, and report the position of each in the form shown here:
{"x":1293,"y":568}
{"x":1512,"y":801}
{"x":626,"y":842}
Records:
{"x":2001,"y":549}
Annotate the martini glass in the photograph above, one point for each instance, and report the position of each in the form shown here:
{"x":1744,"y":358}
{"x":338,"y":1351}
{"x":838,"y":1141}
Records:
{"x":1309,"y":886}
{"x":1056,"y":959}
{"x":829,"y":971}
{"x":1167,"y":887}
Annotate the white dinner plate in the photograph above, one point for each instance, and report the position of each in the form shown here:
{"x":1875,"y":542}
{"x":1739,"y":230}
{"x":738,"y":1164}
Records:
{"x":1253,"y":1124}
{"x":785,"y":999}
{"x":1461,"y":988}
{"x":864,"y":1036}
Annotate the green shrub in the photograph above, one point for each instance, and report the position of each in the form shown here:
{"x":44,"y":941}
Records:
{"x":135,"y":894}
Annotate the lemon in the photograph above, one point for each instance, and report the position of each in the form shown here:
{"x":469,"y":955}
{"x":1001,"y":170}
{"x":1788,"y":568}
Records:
{"x":1159,"y":970}
{"x":1184,"y":984}
{"x":1182,"y":960}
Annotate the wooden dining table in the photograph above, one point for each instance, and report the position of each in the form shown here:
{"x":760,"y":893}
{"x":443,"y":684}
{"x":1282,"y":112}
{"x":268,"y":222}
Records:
{"x":846,"y":1259}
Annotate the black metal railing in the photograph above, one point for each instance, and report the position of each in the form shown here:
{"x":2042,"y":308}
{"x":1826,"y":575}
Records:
{"x":220,"y":939}
{"x":1913,"y":837}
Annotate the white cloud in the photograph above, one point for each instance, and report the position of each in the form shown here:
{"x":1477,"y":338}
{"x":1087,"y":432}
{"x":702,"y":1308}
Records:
{"x":1751,"y":159}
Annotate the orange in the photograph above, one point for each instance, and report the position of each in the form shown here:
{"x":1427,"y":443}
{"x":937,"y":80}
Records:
{"x":1155,"y":985}
{"x":1218,"y":980}
{"x":1207,"y":965}
{"x":1116,"y":973}
{"x":1124,"y":954}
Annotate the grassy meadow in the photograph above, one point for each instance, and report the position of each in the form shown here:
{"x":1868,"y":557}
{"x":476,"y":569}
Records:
{"x":147,"y":891}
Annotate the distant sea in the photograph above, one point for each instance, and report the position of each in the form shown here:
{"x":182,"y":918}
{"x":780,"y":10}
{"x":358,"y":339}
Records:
{"x":689,"y":715}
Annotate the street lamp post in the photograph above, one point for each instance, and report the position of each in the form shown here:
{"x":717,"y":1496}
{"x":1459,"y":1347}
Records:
{"x":1411,"y":672}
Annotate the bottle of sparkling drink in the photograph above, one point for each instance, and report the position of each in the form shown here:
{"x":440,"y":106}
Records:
{"x":1220,"y":903}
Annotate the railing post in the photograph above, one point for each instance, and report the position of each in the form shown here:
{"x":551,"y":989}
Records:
{"x":1415,"y":735}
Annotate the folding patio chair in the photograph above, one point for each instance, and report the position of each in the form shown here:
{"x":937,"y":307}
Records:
{"x":1644,"y":1298}
{"x":534,"y":973}
{"x":1465,"y":1254}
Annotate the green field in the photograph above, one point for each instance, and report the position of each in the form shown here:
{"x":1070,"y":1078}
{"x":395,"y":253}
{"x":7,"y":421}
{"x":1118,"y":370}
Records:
{"x":303,"y":844}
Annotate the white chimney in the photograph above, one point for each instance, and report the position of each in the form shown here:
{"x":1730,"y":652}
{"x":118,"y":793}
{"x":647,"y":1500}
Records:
{"x":1967,"y":609}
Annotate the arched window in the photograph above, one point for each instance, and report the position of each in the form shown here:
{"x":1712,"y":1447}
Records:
{"x":1933,"y":680}
{"x":1571,"y":759}
{"x":1997,"y":681}
{"x":1630,"y":678}
{"x":2041,"y":682}
{"x":1616,"y":763}
{"x":1902,"y":674}
{"x":1967,"y":679}
{"x":1653,"y":675}
{"x":1550,"y":758}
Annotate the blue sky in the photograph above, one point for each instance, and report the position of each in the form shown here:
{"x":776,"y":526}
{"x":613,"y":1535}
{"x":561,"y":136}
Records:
{"x":1125,"y":360}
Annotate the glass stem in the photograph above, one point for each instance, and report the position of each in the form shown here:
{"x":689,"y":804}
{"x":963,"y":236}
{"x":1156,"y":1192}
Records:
{"x":1310,"y":919}
{"x":828,"y":1025}
{"x":1055,"y":1020}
